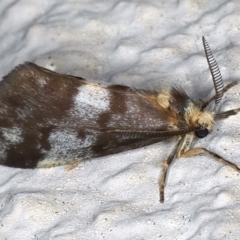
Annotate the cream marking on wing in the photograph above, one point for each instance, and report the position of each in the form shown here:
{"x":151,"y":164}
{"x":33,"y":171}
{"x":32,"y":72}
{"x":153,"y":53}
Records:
{"x":51,"y":162}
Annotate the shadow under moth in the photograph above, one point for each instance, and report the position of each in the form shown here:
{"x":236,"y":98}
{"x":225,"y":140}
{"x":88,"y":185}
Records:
{"x":49,"y":119}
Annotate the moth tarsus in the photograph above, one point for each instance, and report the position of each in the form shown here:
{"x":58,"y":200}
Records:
{"x":49,"y":119}
{"x":166,"y":164}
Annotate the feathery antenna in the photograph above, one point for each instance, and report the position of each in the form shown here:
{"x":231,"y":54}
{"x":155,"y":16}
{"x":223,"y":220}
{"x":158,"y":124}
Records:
{"x":216,"y":74}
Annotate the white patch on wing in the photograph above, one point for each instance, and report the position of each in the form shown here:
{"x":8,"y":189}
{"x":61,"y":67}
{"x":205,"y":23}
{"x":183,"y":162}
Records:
{"x":69,"y":140}
{"x":66,"y":148}
{"x":3,"y":153}
{"x":12,"y":135}
{"x":91,"y":101}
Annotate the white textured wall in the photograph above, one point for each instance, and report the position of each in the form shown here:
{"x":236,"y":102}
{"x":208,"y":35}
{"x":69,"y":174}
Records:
{"x":139,"y":43}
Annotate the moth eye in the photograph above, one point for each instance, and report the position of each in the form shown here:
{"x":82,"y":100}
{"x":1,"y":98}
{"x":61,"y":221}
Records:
{"x":202,"y":133}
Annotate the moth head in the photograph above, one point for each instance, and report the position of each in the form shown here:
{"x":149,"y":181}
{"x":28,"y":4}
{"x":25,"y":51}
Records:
{"x":205,"y":121}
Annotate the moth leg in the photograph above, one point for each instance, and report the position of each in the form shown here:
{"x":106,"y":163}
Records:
{"x":226,"y":114}
{"x":166,"y":164}
{"x":185,"y":144}
{"x":197,"y":151}
{"x":225,"y":89}
{"x":71,"y":166}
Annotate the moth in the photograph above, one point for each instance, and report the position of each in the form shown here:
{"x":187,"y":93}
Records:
{"x":49,"y":119}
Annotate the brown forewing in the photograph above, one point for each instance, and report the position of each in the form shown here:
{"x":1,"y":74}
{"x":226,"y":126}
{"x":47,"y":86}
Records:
{"x":49,"y":119}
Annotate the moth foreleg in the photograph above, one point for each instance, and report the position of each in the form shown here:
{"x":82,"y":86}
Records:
{"x":227,"y":114}
{"x":197,"y":151}
{"x":166,"y":164}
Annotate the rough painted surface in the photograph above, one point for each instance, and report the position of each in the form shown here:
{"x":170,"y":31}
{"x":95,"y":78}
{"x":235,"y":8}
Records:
{"x":146,"y":44}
